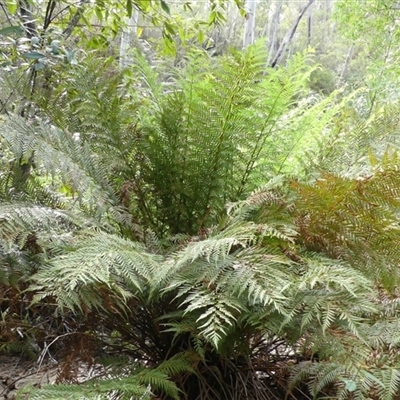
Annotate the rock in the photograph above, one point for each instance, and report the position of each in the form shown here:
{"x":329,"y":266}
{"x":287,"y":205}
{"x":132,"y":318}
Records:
{"x":37,"y":380}
{"x":12,"y":395}
{"x":28,"y":381}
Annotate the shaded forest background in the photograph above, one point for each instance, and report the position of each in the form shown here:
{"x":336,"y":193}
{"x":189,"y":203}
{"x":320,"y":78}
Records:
{"x":202,"y":198}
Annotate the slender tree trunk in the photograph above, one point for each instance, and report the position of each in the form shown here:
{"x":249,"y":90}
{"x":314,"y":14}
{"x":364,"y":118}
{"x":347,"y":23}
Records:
{"x":128,"y":35}
{"x":347,"y":63}
{"x":265,"y":29}
{"x":28,"y":21}
{"x":331,"y":24}
{"x":273,"y":30}
{"x":309,"y":26}
{"x":326,"y":23}
{"x":73,"y":22}
{"x":51,"y":5}
{"x":289,"y":35}
{"x":250,"y":23}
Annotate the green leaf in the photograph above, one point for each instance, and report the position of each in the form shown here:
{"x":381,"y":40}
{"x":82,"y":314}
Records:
{"x":99,"y":13}
{"x":165,"y":7}
{"x":220,"y":18}
{"x":212,"y":17}
{"x":70,"y":57}
{"x":129,"y":8}
{"x":35,"y":41}
{"x":200,"y":36}
{"x":169,"y":44}
{"x":170,"y":29}
{"x":351,"y":386}
{"x":12,"y":7}
{"x":10,"y":30}
{"x":39,"y":66}
{"x":54,"y":47}
{"x":187,"y":7}
{"x":144,"y":5}
{"x":182,"y":34}
{"x":34,"y":55}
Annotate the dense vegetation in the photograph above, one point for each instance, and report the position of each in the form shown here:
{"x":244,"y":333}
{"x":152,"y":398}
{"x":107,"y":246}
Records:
{"x":212,"y":228}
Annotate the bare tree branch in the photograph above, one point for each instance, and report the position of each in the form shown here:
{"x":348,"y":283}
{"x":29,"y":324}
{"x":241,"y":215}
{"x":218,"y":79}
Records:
{"x":289,"y":36}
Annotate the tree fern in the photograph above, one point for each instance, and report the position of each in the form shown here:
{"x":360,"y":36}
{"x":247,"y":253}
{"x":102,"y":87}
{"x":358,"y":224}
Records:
{"x":251,"y":276}
{"x":204,"y":142}
{"x":226,"y":291}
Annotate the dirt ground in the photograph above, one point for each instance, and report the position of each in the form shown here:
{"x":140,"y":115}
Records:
{"x":16,"y":373}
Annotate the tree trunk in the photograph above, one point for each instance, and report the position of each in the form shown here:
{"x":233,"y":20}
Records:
{"x":28,"y":21}
{"x":347,"y":63}
{"x":309,"y":26}
{"x":273,"y":44}
{"x":289,"y":36}
{"x":329,"y":24}
{"x":250,"y":23}
{"x":73,"y":22}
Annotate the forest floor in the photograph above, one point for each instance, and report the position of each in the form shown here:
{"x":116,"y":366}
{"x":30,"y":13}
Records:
{"x":16,"y":373}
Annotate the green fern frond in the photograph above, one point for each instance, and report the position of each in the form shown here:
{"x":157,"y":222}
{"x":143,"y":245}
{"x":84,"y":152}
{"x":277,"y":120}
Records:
{"x":158,"y":381}
{"x":57,"y":153}
{"x":122,"y":388}
{"x":107,"y":261}
{"x":18,"y":221}
{"x":390,"y":378}
{"x":202,"y":142}
{"x":179,"y":364}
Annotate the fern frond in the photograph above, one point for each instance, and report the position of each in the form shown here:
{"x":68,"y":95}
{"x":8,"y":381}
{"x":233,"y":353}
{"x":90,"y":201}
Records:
{"x":121,"y":388}
{"x":207,"y":138}
{"x":180,"y":363}
{"x":19,"y":220}
{"x":57,"y":153}
{"x":101,"y":261}
{"x":159,"y":382}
